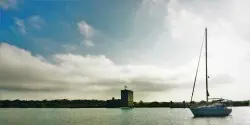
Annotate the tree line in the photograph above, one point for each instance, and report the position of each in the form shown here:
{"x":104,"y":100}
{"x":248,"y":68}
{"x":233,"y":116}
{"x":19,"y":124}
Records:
{"x":64,"y":103}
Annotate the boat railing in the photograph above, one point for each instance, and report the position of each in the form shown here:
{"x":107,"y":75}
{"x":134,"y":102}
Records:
{"x":225,"y":102}
{"x":213,"y":102}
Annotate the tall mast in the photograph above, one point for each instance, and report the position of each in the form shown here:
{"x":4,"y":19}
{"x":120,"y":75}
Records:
{"x":207,"y":94}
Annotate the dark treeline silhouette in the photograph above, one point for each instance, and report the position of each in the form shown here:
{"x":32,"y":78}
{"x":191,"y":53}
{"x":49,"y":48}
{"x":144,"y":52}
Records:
{"x":52,"y":104}
{"x":114,"y":103}
{"x":161,"y":104}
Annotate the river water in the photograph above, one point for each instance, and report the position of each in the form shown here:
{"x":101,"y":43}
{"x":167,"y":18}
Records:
{"x":103,"y":116}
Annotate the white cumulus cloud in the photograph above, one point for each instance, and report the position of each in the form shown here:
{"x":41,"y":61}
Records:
{"x":76,"y":75}
{"x":87,"y":31}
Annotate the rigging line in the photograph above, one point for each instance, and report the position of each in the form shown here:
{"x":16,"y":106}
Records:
{"x":197,"y":69}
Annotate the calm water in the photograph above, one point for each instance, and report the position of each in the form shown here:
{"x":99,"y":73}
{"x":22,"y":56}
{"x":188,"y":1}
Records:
{"x":137,"y":116}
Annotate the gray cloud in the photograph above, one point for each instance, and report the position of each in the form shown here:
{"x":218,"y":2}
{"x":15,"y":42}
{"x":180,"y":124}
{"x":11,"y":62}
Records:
{"x":138,"y":85}
{"x":76,"y":76}
{"x":221,"y":79}
{"x":26,"y":89}
{"x":20,"y":71}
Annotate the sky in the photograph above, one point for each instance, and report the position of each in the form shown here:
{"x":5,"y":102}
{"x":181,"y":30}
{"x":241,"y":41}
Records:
{"x":92,"y":49}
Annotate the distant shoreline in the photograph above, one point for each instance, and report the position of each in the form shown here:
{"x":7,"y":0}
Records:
{"x":95,"y":107}
{"x":64,"y":103}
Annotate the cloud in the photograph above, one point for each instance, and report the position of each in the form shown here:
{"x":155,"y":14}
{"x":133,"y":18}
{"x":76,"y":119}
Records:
{"x":8,"y":4}
{"x":33,"y":22}
{"x":227,"y":43}
{"x":77,"y":76}
{"x":149,"y":17}
{"x":21,"y":71}
{"x":88,"y":43}
{"x":169,"y":34}
{"x":87,"y":31}
{"x":20,"y":25}
{"x":31,"y":74}
{"x":36,"y":22}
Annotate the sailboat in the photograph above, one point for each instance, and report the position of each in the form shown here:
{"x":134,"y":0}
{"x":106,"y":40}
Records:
{"x":217,"y":107}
